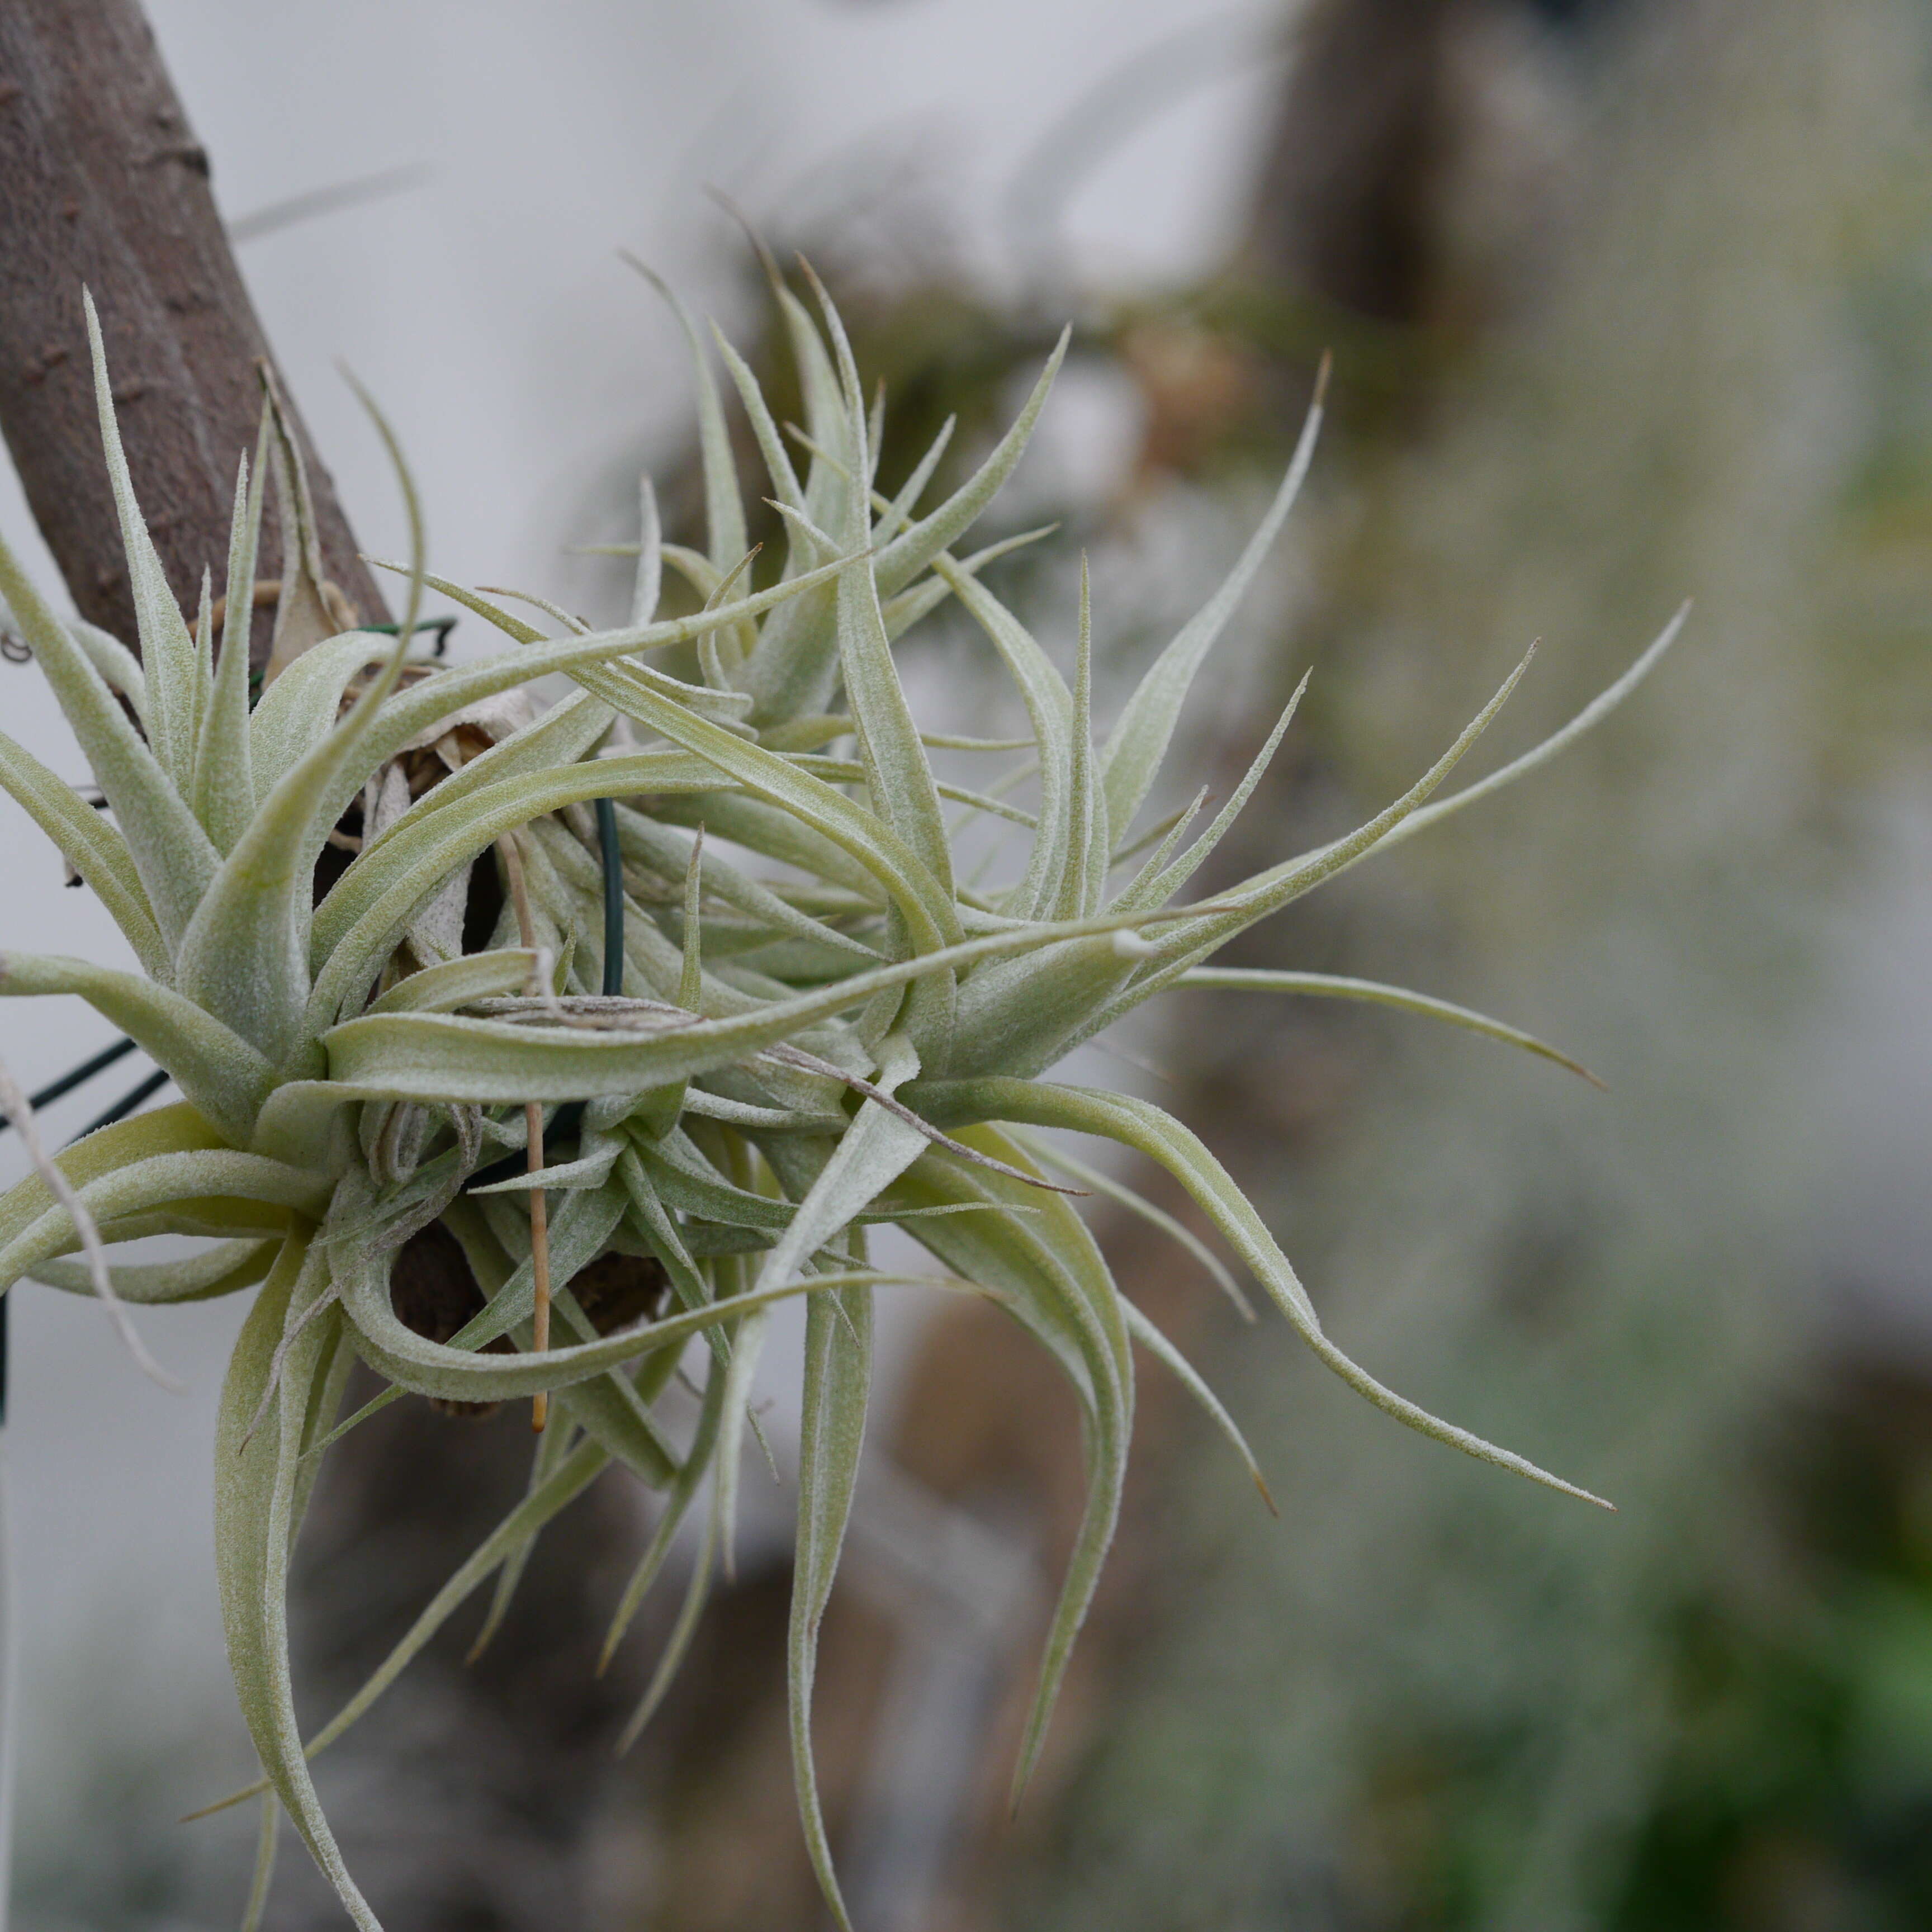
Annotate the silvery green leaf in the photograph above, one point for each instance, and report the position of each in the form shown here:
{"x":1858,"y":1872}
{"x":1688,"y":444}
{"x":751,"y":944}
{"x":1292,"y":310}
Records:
{"x":1188,"y":943}
{"x":1161,"y":878}
{"x":218,"y":1174}
{"x":1049,"y":706}
{"x":724,"y":508}
{"x":433,"y":1369}
{"x":684,"y":1180}
{"x":646,"y":842}
{"x":1163,"y":836}
{"x":167,"y":650}
{"x":899,"y":774}
{"x":1138,"y":1124}
{"x":1139,"y":742}
{"x":648,"y":585}
{"x":824,"y":410}
{"x":1184,"y":1371}
{"x":414,"y":709}
{"x":244,"y":955}
{"x":220,"y":1270}
{"x":772,"y":833}
{"x":719,"y":654}
{"x":1089,"y":845}
{"x":171,"y":853}
{"x":608,"y":1409}
{"x":1325,"y":985}
{"x":905,"y":609}
{"x":898,"y":513}
{"x":116,"y":663}
{"x":1097,"y":1182}
{"x":573,"y":1476}
{"x":771,"y":444}
{"x":696,"y":1590}
{"x":476,"y":975}
{"x":837,"y":1383}
{"x":301,"y":708}
{"x":590,"y":1170}
{"x":408,"y":868}
{"x":224,"y":784}
{"x":450,"y":1057}
{"x":1058,"y":1284}
{"x":925,"y":900}
{"x":558,"y":736}
{"x":256,"y":1471}
{"x":903,"y":559}
{"x":1020,"y":1016}
{"x":691,"y":1472}
{"x":897,"y":769}
{"x":553,"y":1449}
{"x":94,"y":848}
{"x":1593,"y":714}
{"x":220,"y":1073}
{"x":178,"y":1129}
{"x":795,"y":666}
{"x":268,"y":1832}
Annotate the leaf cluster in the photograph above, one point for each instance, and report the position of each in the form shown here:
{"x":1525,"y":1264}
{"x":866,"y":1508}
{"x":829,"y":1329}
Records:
{"x":728,"y":1067}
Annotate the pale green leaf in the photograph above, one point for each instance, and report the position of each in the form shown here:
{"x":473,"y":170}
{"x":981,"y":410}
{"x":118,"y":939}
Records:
{"x":172,"y":855}
{"x":215,"y":1175}
{"x":456,"y":982}
{"x":93,"y":848}
{"x":1138,"y":1124}
{"x":167,"y":649}
{"x":1139,"y":742}
{"x":224,"y":783}
{"x":724,"y":508}
{"x":838,"y":1382}
{"x":1593,"y":714}
{"x":1049,"y":709}
{"x":1184,"y":1371}
{"x":1324,"y":985}
{"x":1162,"y":877}
{"x":1056,"y":1283}
{"x":256,"y":1471}
{"x":220,"y":1270}
{"x":116,"y":663}
{"x":1097,"y":1182}
{"x":696,"y":1465}
{"x":903,"y":559}
{"x":220,"y":1073}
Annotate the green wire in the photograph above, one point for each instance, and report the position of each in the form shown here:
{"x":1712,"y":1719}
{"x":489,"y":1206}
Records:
{"x":613,"y":897}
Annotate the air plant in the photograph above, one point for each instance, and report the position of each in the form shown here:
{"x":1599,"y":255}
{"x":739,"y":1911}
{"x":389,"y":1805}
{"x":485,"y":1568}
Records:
{"x":709,"y":1077}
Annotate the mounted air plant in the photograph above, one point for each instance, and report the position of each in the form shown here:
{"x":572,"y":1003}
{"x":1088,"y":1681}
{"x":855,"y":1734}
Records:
{"x":671,"y":1089}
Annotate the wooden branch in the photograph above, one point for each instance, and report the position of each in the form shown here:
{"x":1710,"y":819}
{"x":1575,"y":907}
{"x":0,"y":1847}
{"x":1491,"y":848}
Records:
{"x":102,"y":182}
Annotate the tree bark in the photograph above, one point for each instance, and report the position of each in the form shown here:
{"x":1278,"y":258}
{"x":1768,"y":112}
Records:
{"x":103,"y":184}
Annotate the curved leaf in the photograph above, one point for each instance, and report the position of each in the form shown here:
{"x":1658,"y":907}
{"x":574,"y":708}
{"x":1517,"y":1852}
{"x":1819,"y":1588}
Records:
{"x":1138,"y":743}
{"x":225,"y":1267}
{"x":93,"y":848}
{"x":1138,"y":1124}
{"x":224,"y":1078}
{"x":162,"y":1179}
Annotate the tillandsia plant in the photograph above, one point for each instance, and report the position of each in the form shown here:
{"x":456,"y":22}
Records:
{"x":662,"y":1089}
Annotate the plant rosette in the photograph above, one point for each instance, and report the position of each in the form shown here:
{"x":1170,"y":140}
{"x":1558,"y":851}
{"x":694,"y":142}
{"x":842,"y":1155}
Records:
{"x":742,"y":1070}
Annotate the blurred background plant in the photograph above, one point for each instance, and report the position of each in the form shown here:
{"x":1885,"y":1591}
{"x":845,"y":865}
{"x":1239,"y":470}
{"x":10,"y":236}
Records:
{"x":1626,"y":301}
